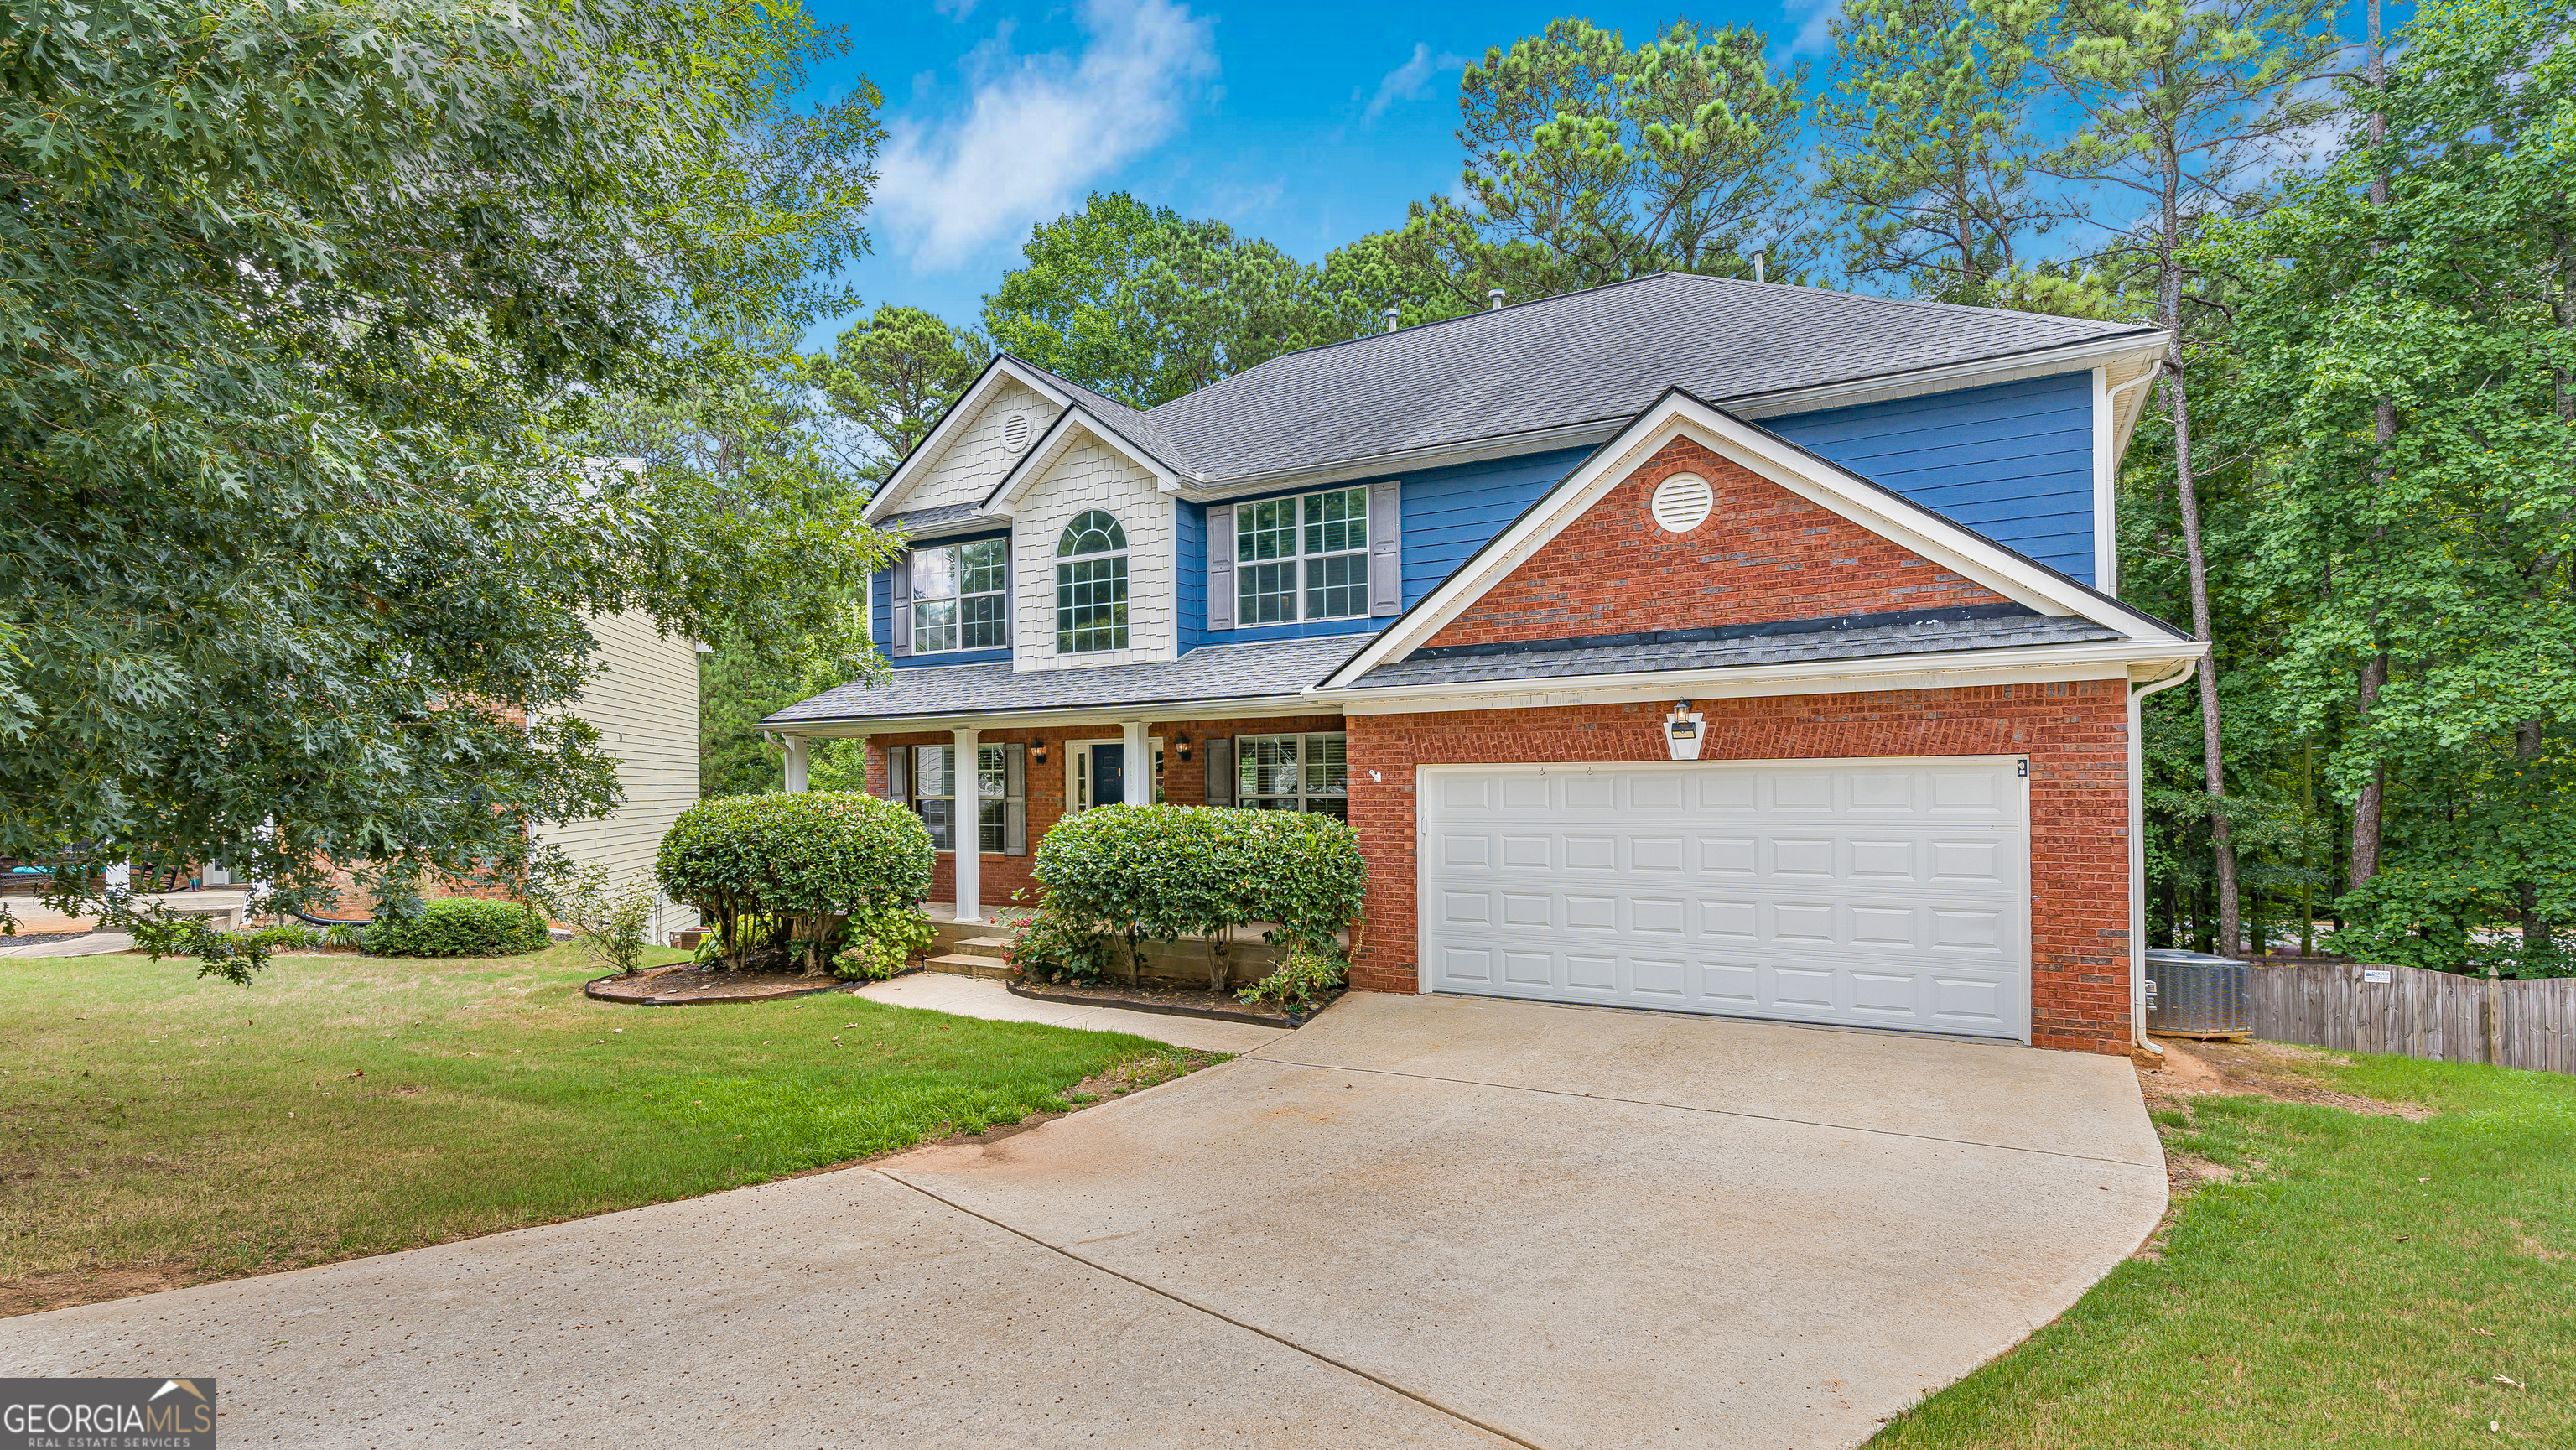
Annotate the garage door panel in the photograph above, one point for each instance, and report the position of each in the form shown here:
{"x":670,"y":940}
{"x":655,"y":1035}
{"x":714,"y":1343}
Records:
{"x":1885,"y":894}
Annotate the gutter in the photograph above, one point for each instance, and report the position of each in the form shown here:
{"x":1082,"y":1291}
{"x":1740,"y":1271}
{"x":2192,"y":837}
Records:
{"x":2138,"y":856}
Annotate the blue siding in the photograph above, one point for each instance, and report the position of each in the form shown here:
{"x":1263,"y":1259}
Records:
{"x":1189,"y":559}
{"x":881,"y":616}
{"x":2013,"y":461}
{"x":1449,"y":513}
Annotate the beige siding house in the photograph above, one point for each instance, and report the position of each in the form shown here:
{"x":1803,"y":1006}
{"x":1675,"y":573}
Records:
{"x":644,"y":703}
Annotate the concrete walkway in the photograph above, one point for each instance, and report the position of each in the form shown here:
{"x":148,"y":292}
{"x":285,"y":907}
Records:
{"x":1417,"y":1221}
{"x":988,"y":997}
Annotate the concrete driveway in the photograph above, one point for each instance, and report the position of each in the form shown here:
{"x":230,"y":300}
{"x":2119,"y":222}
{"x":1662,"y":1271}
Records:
{"x":1418,"y":1221}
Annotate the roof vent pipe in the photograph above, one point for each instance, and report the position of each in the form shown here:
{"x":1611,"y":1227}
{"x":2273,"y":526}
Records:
{"x":1757,"y":268}
{"x":1494,"y":300}
{"x":1390,"y":319}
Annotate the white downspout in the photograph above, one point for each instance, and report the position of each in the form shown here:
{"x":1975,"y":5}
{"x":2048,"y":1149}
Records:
{"x":2138,"y":856}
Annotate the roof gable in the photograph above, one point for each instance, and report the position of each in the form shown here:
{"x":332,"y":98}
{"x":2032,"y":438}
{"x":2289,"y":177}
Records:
{"x":920,"y":482}
{"x":1844,"y":504}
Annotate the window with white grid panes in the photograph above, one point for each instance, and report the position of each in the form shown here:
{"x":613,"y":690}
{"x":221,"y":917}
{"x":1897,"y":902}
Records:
{"x":1091,"y":585}
{"x":960,"y":596}
{"x":1301,"y":558}
{"x":999,"y":808}
{"x":1293,"y":773}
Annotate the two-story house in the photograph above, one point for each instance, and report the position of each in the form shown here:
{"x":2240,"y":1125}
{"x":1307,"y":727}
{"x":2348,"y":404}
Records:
{"x":1689,"y":644}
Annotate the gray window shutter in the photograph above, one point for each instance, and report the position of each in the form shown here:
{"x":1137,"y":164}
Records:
{"x":899,"y":773}
{"x":1220,"y":770}
{"x":1386,"y":549}
{"x":902,"y":606}
{"x":1015,"y":800}
{"x":1220,"y":560}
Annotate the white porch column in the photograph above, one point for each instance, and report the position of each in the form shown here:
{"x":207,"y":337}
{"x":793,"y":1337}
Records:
{"x":795,"y":762}
{"x":1140,"y":763}
{"x":966,"y":829}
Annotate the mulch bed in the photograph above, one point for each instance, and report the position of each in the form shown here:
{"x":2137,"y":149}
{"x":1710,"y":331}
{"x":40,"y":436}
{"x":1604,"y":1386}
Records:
{"x":1169,"y":1000}
{"x":690,"y":984}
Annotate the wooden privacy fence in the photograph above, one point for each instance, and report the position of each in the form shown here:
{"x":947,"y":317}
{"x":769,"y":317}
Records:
{"x":2415,"y":1013}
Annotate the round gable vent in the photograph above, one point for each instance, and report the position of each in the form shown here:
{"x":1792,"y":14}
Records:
{"x":1682,"y":503}
{"x":1015,"y":432}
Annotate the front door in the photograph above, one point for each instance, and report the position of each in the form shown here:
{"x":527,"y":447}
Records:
{"x":1108,"y":774}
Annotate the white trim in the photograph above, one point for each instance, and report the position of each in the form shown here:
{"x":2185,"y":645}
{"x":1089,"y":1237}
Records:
{"x":1068,"y":716}
{"x":1051,"y":446}
{"x":1077,"y":791}
{"x":2106,"y":549}
{"x":1844,"y":493}
{"x":1964,"y":669}
{"x":964,"y":411}
{"x":1423,"y":810}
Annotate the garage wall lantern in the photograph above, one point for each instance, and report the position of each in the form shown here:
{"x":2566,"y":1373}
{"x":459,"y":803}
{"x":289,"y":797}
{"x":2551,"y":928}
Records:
{"x":1682,"y":731}
{"x":1181,"y":745}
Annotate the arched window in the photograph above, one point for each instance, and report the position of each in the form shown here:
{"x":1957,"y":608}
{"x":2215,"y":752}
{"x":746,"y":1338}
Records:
{"x":1091,"y":585}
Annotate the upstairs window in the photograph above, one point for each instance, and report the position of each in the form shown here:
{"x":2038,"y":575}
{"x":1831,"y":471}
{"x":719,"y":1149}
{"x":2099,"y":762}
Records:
{"x":961,"y":597}
{"x":1091,"y":585}
{"x":1302,"y":558}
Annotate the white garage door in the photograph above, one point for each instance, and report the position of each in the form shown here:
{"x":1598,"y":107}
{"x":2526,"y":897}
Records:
{"x":1878,"y":893}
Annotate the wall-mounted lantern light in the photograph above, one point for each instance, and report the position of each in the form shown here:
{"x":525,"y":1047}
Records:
{"x":1181,"y":746}
{"x":1682,"y":731}
{"x":1037,"y":752}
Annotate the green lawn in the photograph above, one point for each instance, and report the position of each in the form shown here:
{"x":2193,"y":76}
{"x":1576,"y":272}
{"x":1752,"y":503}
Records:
{"x":163,"y":1129}
{"x":2365,"y":1281}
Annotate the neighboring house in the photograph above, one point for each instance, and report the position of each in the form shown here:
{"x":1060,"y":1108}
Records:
{"x":643,"y":700}
{"x":1468,"y":583}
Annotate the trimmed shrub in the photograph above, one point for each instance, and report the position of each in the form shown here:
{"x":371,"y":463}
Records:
{"x":460,"y":926}
{"x":614,"y":921}
{"x":806,"y":861}
{"x":1166,"y":871}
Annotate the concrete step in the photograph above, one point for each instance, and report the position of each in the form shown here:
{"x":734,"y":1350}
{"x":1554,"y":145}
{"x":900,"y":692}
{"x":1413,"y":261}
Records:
{"x":969,"y":966}
{"x":991,"y":946}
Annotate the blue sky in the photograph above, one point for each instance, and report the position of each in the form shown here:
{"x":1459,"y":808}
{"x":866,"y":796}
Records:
{"x":1310,"y":122}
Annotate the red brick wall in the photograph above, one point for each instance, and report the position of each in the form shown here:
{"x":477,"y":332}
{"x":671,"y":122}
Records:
{"x":1764,"y":554}
{"x":2074,"y":733}
{"x":1184,"y":783}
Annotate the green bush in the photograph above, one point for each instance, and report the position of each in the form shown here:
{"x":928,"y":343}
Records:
{"x":460,"y":926}
{"x":288,"y":936}
{"x":1166,"y":871}
{"x":1049,"y":947}
{"x":1301,"y":983}
{"x":883,"y":943}
{"x":613,"y":920}
{"x":805,"y":860}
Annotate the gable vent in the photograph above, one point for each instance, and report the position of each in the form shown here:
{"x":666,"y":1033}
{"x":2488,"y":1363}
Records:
{"x":1682,"y":503}
{"x":1015,"y":432}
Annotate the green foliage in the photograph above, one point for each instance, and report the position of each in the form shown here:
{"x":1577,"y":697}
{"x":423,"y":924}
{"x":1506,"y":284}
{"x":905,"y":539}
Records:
{"x":460,"y":926}
{"x":808,"y":861}
{"x":1052,"y":947}
{"x":286,"y":936}
{"x":1168,"y":871}
{"x":883,"y":942}
{"x":1305,"y":979}
{"x":1145,"y":305}
{"x":613,"y":921}
{"x":894,"y":374}
{"x":1929,"y":144}
{"x":311,"y":321}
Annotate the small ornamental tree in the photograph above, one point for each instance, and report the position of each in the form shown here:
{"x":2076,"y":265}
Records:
{"x":1160,"y":872}
{"x":804,"y":862}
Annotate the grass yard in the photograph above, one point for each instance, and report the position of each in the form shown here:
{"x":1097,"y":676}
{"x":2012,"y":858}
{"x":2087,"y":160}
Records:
{"x":2339,"y":1278}
{"x":166,"y":1130}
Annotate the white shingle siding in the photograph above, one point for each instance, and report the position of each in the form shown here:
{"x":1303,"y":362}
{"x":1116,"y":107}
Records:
{"x":1090,"y":475}
{"x":643,"y":700}
{"x":977,"y":457}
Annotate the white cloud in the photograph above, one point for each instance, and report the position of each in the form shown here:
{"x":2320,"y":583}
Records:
{"x":1407,"y":80}
{"x":1813,"y":17}
{"x":1040,"y":129}
{"x":954,"y":9}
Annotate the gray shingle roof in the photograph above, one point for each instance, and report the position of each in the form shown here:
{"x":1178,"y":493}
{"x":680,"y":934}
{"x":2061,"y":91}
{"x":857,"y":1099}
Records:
{"x":1584,"y":357}
{"x":1914,"y":637}
{"x":919,"y":519}
{"x":1203,"y":676}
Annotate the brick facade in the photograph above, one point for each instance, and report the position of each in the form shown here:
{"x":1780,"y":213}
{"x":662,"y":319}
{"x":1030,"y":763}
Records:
{"x":1764,"y":554}
{"x":1184,"y":783}
{"x":2073,"y":732}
